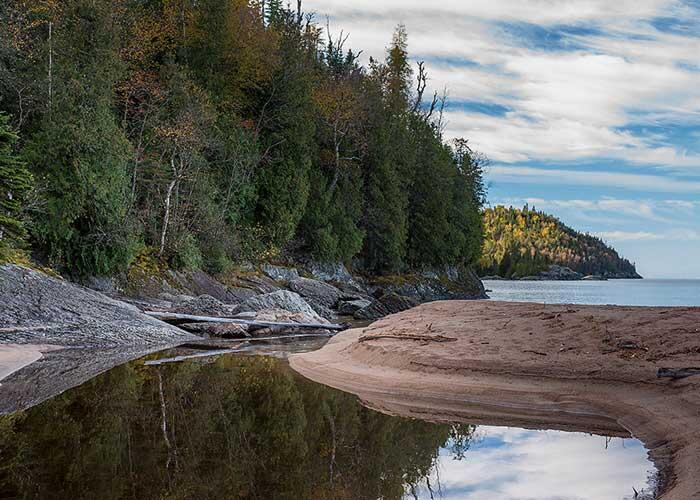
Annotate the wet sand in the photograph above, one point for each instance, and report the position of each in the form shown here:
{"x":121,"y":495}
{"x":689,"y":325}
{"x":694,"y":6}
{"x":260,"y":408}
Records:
{"x":579,"y":368}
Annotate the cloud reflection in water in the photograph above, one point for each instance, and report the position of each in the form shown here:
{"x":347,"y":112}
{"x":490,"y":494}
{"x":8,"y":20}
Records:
{"x":508,"y":463}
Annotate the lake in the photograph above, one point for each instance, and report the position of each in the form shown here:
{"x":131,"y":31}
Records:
{"x":238,"y":426}
{"x":619,"y":292}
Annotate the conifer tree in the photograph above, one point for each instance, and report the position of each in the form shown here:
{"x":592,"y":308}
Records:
{"x":15,"y":182}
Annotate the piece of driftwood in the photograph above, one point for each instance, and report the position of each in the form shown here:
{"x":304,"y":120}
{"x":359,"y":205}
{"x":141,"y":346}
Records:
{"x":419,"y":338}
{"x":178,"y":359}
{"x":175,"y":318}
{"x":677,"y":373}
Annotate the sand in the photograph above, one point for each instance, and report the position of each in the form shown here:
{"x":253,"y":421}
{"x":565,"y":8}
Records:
{"x":569,"y":367}
{"x":13,"y":357}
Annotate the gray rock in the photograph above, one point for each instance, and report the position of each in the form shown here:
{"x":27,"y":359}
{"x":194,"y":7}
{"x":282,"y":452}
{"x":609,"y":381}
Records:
{"x":281,"y":299}
{"x":49,"y":310}
{"x":205,"y":305}
{"x":283,"y":316}
{"x":336,"y":272}
{"x":555,"y":273}
{"x":221,"y":330}
{"x":350,"y":307}
{"x":97,"y":332}
{"x":321,"y":296}
{"x":200,"y":283}
{"x":389,"y":303}
{"x":279,"y":273}
{"x":101,"y":284}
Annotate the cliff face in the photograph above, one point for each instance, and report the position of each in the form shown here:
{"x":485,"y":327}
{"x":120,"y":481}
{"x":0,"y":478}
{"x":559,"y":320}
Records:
{"x":525,"y":242}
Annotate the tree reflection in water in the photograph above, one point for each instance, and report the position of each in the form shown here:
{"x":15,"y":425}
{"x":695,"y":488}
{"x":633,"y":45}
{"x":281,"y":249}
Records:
{"x":237,"y":427}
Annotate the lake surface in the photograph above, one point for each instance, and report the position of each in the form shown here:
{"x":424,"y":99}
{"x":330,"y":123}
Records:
{"x":239,"y":426}
{"x":618,"y":292}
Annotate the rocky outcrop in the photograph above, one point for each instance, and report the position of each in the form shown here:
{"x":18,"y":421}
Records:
{"x":282,"y":299}
{"x":205,"y":305}
{"x":330,"y":272}
{"x":279,"y":273}
{"x":38,"y":306}
{"x":80,"y":332}
{"x":555,"y":273}
{"x":321,"y":296}
{"x":220,"y":330}
{"x":385,"y":304}
{"x":350,"y":307}
{"x":200,"y":283}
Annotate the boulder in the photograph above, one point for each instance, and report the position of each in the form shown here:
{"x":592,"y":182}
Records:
{"x":281,"y":299}
{"x":221,"y":330}
{"x":279,"y":273}
{"x":200,"y":283}
{"x":282,"y":316}
{"x":336,"y":272}
{"x":388,"y":303}
{"x":205,"y":305}
{"x":350,"y":307}
{"x":321,"y":296}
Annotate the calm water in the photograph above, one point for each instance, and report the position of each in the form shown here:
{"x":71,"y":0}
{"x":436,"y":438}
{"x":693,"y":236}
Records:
{"x":619,"y":292}
{"x":247,"y":427}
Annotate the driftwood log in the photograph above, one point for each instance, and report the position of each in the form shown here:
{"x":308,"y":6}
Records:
{"x":175,"y":319}
{"x":677,"y":373}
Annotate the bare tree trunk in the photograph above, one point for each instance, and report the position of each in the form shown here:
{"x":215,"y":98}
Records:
{"x":336,"y":175}
{"x":166,"y":215}
{"x":50,"y":64}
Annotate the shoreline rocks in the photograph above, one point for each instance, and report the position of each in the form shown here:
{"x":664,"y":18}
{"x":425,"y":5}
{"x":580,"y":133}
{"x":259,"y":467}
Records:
{"x":562,"y":273}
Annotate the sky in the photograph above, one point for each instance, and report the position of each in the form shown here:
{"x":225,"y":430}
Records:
{"x":587,"y":109}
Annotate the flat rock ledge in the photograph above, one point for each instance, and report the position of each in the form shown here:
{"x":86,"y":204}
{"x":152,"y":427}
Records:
{"x":568,"y":367}
{"x":56,"y":335}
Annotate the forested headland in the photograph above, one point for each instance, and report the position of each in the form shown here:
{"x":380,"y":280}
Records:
{"x":212,"y":132}
{"x":523,"y":242}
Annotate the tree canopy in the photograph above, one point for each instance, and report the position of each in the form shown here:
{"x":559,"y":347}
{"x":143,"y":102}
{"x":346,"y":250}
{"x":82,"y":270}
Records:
{"x":215,"y":131}
{"x":523,"y":242}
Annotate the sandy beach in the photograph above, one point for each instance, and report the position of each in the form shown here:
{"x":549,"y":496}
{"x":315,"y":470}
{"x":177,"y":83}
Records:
{"x":579,"y":368}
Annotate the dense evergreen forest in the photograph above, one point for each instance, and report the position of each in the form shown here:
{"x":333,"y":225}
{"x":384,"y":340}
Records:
{"x":523,"y":242}
{"x":209,"y":132}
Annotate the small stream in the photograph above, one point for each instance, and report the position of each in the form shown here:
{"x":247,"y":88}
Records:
{"x":247,"y":426}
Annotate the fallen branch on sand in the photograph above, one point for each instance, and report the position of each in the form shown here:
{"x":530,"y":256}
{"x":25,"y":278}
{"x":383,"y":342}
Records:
{"x":175,"y":319}
{"x":420,"y":338}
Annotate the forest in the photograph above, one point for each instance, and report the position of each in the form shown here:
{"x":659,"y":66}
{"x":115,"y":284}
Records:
{"x":523,"y":242}
{"x":206,"y":133}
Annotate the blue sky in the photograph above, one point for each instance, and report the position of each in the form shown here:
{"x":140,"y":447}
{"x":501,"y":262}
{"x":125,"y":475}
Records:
{"x":587,"y":109}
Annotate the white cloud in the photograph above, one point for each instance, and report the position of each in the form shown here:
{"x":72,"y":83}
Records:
{"x":628,"y":236}
{"x":673,"y":235}
{"x":567,"y":105}
{"x":639,"y":182}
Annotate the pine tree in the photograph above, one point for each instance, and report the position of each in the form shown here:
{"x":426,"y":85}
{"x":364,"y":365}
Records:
{"x":15,"y":182}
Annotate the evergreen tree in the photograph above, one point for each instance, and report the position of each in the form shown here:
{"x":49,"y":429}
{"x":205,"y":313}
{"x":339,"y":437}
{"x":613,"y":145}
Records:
{"x":15,"y":182}
{"x":80,"y":155}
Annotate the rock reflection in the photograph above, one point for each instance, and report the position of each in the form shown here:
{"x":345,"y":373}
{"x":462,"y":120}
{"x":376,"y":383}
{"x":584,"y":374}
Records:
{"x":237,"y":427}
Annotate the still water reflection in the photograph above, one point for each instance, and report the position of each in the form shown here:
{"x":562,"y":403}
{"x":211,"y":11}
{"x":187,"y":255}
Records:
{"x":247,"y":427}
